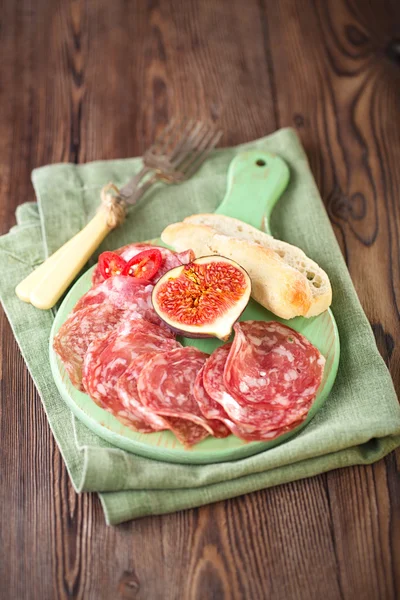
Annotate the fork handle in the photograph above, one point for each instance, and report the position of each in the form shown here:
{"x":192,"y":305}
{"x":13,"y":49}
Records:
{"x":128,"y":190}
{"x":44,"y":287}
{"x":141,"y":190}
{"x":46,"y":284}
{"x":25,"y":287}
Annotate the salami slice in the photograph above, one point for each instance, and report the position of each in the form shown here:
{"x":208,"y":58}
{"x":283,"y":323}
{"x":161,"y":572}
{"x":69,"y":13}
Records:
{"x":212,"y":410}
{"x":119,"y":291}
{"x":272,"y":365}
{"x":165,"y":385}
{"x":79,"y":330}
{"x":129,"y":251}
{"x":105,"y":363}
{"x":187,"y":432}
{"x":124,"y":293}
{"x":186,"y":256}
{"x":127,"y":413}
{"x":126,"y":390}
{"x":172,"y":260}
{"x":251,"y":417}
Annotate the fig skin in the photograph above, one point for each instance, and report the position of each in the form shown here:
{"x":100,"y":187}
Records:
{"x":222,"y":326}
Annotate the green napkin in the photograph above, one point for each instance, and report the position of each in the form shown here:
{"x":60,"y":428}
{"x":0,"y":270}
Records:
{"x":360,"y":422}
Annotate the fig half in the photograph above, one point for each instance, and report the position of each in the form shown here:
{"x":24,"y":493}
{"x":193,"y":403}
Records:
{"x":204,"y":298}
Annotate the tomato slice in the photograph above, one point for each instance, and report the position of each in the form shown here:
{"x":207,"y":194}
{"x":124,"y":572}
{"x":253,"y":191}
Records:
{"x":144,"y":265}
{"x":111,"y":264}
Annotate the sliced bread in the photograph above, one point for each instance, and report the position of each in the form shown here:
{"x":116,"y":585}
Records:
{"x":182,"y":236}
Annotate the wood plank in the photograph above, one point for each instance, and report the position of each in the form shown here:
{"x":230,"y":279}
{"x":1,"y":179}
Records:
{"x":99,"y":83}
{"x":347,"y":120}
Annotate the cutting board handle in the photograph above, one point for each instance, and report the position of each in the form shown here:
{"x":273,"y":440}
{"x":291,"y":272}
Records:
{"x":256,"y":180}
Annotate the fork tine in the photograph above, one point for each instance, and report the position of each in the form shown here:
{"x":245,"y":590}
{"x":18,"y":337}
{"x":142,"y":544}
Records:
{"x":191,"y":169}
{"x":183,"y":143}
{"x":160,"y":139}
{"x":199,"y":157}
{"x":167,"y":137}
{"x":179,"y":148}
{"x":206,"y":132}
{"x":193,"y":145}
{"x":186,"y":145}
{"x":204,"y":135}
{"x":176,"y":138}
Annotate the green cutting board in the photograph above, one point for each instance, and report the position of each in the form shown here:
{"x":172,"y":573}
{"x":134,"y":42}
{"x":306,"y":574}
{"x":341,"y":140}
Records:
{"x":256,"y":180}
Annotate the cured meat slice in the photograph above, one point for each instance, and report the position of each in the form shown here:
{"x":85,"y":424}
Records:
{"x":251,"y":417}
{"x":79,"y":330}
{"x":126,"y":390}
{"x":170,"y":259}
{"x":186,"y":256}
{"x":127,"y":413}
{"x":273,"y":365}
{"x":185,"y":431}
{"x":119,"y":291}
{"x":124,"y":293}
{"x":146,"y":334}
{"x":92,"y":354}
{"x":165,"y":385}
{"x":105,"y":363}
{"x":212,"y":410}
{"x":129,"y":251}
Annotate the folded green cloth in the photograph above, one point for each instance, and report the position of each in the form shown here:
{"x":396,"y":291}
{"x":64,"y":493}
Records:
{"x":360,"y":422}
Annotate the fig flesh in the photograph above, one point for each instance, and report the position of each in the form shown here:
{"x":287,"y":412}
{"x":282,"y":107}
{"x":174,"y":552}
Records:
{"x":204,"y":298}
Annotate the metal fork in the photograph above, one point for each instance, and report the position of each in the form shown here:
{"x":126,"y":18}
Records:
{"x":175,"y":156}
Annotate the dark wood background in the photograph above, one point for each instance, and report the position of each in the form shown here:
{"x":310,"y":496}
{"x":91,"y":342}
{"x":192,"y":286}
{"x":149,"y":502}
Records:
{"x":89,"y":79}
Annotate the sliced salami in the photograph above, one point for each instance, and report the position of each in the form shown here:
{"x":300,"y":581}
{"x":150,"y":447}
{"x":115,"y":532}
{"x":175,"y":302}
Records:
{"x":79,"y":330}
{"x":185,"y":257}
{"x":131,"y":419}
{"x":251,"y":417}
{"x":119,"y":291}
{"x":165,"y":386}
{"x":126,"y":390}
{"x":125,"y":294}
{"x":187,"y":432}
{"x":105,"y":363}
{"x":172,"y":260}
{"x":212,"y":410}
{"x":272,"y":365}
{"x":93,"y":352}
{"x":129,"y":251}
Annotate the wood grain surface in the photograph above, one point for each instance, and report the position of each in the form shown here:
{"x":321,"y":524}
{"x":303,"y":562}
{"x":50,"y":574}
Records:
{"x":96,"y":79}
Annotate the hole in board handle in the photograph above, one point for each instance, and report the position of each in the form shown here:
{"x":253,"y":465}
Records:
{"x":260,"y":162}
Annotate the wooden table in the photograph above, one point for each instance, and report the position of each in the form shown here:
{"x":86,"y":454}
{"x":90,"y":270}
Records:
{"x":90,"y":80}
